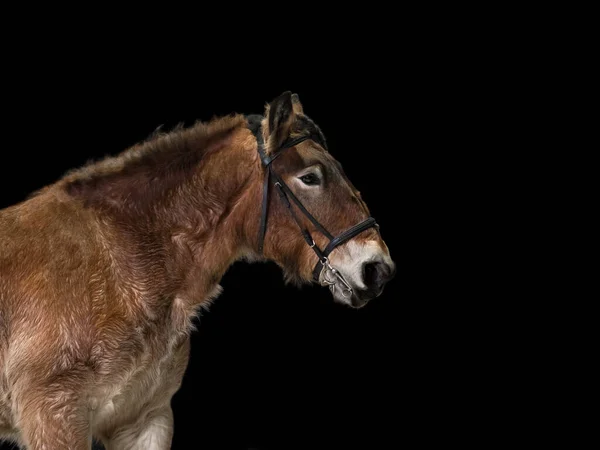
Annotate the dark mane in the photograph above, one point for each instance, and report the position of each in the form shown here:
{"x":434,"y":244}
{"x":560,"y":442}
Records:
{"x":168,"y":156}
{"x":305,"y":125}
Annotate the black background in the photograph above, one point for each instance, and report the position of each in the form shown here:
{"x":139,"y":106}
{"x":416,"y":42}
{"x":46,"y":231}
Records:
{"x":273,"y":366}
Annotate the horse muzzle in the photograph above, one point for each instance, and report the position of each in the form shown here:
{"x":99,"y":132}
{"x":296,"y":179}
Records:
{"x":358,"y":286}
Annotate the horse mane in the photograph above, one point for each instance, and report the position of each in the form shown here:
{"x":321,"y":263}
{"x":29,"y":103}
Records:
{"x":168,"y":156}
{"x":177,"y":148}
{"x":162,"y":162}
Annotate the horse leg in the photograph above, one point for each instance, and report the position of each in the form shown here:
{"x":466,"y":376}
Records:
{"x":155,"y":432}
{"x":53,"y":418}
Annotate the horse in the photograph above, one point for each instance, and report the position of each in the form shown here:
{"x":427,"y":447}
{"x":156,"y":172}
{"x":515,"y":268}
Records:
{"x":103,"y":272}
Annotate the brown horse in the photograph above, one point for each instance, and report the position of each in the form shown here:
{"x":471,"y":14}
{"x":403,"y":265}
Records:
{"x":102,"y":273}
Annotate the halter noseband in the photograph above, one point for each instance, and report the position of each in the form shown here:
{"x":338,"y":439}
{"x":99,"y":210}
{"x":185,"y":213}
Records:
{"x":323,"y":272}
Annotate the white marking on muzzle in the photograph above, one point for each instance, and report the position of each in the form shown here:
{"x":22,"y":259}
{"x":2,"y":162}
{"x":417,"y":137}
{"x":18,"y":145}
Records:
{"x":350,"y":258}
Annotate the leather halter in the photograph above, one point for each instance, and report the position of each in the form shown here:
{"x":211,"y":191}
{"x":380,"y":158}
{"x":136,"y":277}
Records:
{"x":323,"y":272}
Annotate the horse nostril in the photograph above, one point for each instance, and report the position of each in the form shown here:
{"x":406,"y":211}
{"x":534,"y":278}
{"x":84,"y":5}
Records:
{"x":376,"y":274}
{"x":370,"y":273}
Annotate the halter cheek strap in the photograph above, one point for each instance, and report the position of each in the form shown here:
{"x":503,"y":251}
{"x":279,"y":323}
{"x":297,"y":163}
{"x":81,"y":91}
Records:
{"x":323,"y":272}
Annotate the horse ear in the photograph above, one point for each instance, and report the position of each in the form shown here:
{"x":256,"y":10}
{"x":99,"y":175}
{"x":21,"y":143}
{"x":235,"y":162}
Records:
{"x":296,"y":104}
{"x":280,"y":115}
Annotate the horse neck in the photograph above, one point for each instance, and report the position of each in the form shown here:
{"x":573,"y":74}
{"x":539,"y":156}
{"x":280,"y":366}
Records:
{"x":223,"y":199}
{"x":207,"y":222}
{"x":176,"y":226}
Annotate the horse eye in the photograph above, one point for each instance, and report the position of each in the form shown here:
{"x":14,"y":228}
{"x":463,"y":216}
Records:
{"x":310,"y":179}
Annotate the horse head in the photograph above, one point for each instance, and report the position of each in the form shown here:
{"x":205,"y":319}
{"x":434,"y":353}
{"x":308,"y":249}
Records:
{"x":313,"y":222}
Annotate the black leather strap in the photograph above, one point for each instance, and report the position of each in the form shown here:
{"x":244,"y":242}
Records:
{"x":283,"y":194}
{"x":299,"y":204}
{"x":341,"y":239}
{"x":295,"y":141}
{"x":349,"y":234}
{"x":254,"y":124}
{"x":262,"y":229}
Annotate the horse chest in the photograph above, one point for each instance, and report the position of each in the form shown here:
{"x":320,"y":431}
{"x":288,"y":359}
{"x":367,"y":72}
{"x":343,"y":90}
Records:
{"x":148,"y":384}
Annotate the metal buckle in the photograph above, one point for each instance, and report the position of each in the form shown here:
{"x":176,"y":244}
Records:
{"x":328,"y":277}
